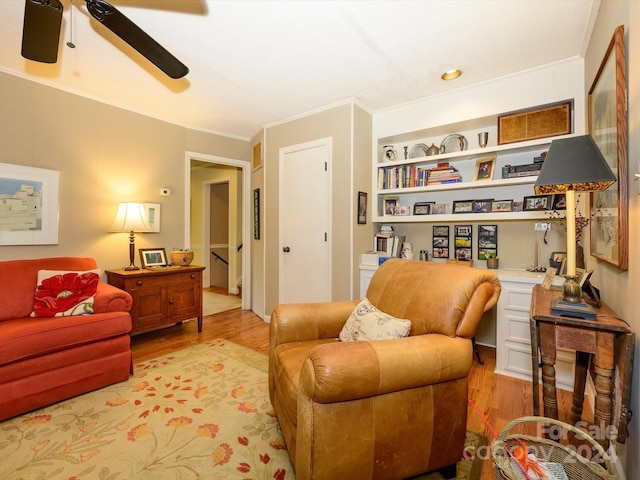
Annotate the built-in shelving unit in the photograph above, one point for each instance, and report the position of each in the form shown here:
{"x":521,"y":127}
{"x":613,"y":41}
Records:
{"x":496,"y":188}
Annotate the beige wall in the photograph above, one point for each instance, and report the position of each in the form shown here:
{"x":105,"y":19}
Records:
{"x":620,"y":289}
{"x":257,"y":245}
{"x":105,"y":155}
{"x":362,"y":155}
{"x":337,"y":123}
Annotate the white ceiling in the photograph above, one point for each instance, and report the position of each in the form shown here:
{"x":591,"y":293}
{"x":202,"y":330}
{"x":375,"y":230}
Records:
{"x":253,"y":63}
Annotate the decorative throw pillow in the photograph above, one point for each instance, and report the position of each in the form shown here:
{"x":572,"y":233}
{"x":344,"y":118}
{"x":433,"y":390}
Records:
{"x":65,"y":293}
{"x":366,"y":322}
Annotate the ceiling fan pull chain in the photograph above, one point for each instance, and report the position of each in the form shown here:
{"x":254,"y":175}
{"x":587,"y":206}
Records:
{"x":70,"y":43}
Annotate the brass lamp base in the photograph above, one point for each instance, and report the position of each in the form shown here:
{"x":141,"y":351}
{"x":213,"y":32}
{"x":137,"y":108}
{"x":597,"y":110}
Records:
{"x":571,"y":303}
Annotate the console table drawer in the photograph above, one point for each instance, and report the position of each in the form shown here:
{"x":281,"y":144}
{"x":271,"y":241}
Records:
{"x":161,"y":297}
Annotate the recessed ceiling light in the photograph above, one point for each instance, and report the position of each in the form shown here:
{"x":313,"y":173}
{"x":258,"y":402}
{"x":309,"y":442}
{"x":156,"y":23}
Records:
{"x":451,"y":74}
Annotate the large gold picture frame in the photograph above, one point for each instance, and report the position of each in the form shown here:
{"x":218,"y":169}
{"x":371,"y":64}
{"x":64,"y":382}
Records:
{"x":608,"y":127}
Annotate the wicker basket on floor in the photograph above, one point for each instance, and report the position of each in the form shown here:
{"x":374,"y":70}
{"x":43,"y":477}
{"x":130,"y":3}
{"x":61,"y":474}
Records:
{"x":576,"y":466}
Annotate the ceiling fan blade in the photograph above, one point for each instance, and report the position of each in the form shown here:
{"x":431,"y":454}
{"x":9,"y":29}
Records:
{"x":41,"y":30}
{"x":128,"y":31}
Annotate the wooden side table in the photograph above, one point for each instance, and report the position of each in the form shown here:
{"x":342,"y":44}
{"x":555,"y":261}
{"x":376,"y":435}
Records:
{"x":608,"y":341}
{"x":161,"y":297}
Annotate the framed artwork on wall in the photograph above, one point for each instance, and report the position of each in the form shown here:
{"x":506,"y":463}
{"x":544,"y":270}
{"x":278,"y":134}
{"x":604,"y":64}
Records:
{"x":462,"y":242}
{"x":29,"y":207}
{"x":362,"y":208}
{"x":608,"y":127}
{"x":153,"y":215}
{"x":487,"y":241}
{"x":256,"y":214}
{"x":440,"y":241}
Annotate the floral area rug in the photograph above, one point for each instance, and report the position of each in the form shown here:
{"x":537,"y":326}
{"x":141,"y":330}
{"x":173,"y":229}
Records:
{"x":200,"y":413}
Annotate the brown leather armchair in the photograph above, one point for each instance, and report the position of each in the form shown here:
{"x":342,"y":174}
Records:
{"x":384,"y":409}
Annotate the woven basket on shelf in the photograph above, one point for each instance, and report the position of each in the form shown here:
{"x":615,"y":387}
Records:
{"x":181,"y":257}
{"x":576,"y":466}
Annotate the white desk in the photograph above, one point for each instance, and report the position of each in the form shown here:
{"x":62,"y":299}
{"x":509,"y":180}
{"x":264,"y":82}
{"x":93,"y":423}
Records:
{"x":512,"y":333}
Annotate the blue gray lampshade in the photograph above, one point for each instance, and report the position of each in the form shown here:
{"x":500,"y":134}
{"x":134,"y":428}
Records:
{"x":574,"y":163}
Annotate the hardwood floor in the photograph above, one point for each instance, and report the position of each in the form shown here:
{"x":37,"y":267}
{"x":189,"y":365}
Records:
{"x":499,"y":398}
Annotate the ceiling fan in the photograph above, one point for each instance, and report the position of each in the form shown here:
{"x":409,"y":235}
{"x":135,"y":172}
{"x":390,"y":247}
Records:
{"x":41,"y":34}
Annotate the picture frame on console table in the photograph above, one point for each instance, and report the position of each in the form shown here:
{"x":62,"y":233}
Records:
{"x":608,"y":127}
{"x":153,"y":257}
{"x":34,"y":193}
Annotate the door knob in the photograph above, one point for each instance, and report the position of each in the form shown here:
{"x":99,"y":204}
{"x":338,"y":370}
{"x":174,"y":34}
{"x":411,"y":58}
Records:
{"x":286,"y":249}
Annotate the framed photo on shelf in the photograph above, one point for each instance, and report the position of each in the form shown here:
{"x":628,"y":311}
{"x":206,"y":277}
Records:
{"x":422,"y":208}
{"x":484,"y":168}
{"x":608,"y":127}
{"x":487,"y":241}
{"x":463,"y":206}
{"x":153,"y":257}
{"x":402,"y":210}
{"x":482,"y":206}
{"x":556,"y":259}
{"x":439,"y":208}
{"x":537,"y":202}
{"x":502,"y":206}
{"x":559,"y":201}
{"x":390,"y":204}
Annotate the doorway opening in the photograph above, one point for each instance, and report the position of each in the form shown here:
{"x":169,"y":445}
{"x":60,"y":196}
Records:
{"x":216,"y":215}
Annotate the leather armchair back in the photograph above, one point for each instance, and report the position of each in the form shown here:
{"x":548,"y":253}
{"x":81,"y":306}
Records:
{"x":437,"y":298}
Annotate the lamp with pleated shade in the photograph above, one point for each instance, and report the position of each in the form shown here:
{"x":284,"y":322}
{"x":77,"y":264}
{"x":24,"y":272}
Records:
{"x":573,"y":165}
{"x":131,"y":217}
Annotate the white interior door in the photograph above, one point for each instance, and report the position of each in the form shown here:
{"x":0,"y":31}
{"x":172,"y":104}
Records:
{"x":305,"y":218}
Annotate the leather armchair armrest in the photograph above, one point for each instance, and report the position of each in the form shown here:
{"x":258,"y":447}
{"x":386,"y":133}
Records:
{"x":344,"y":371}
{"x":111,"y":299}
{"x":299,"y":322}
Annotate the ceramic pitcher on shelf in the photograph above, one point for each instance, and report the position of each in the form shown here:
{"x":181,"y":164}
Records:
{"x":407,"y":250}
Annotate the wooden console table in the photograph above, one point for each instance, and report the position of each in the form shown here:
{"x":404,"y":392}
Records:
{"x":161,"y":297}
{"x":608,"y":341}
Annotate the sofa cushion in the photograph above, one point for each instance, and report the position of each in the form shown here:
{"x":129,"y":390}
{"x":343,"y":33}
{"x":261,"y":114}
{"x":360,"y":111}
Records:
{"x":23,"y":338}
{"x":18,"y":281}
{"x":62,"y":293}
{"x":366,"y":322}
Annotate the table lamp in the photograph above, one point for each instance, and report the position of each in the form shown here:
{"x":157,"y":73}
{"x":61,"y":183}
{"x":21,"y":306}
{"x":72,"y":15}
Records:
{"x":573,"y":165}
{"x":131,"y":217}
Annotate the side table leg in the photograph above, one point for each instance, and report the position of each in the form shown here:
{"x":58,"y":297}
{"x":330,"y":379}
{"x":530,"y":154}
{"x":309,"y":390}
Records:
{"x":535,"y":366}
{"x":603,"y":366}
{"x":548,"y":354}
{"x":579,"y":383}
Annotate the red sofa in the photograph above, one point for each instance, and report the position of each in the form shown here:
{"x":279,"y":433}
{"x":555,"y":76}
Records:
{"x":47,"y":359}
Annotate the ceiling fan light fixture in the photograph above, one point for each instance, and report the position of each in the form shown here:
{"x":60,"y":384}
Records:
{"x":451,"y":74}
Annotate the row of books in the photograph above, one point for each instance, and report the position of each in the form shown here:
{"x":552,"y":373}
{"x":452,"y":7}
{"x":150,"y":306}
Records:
{"x":389,"y":243}
{"x":441,"y":175}
{"x":405,"y":176}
